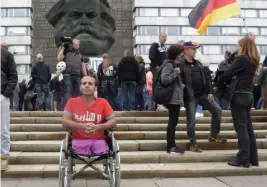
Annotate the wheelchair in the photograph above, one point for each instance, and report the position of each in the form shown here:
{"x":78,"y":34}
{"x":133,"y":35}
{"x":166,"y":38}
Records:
{"x":111,"y":162}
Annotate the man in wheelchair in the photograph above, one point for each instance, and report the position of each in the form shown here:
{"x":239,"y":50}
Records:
{"x":88,"y":117}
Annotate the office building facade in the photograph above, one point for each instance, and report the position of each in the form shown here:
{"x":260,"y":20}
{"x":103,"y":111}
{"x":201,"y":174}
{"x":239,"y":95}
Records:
{"x":16,"y":31}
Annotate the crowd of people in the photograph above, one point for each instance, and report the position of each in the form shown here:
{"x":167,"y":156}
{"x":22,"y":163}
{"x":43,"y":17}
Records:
{"x":176,"y":80}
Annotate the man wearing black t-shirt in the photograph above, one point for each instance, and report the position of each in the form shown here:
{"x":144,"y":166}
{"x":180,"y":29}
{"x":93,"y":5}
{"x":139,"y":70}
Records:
{"x":198,"y":90}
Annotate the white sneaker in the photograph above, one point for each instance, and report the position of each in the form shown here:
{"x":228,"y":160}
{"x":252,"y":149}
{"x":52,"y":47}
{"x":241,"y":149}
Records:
{"x":199,"y":115}
{"x":182,"y":109}
{"x":161,"y":108}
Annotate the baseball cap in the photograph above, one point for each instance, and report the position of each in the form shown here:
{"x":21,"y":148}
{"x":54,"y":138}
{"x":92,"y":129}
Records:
{"x":191,"y":45}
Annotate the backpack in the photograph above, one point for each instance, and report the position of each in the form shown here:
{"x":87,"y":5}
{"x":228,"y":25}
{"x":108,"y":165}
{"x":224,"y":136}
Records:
{"x":161,"y":93}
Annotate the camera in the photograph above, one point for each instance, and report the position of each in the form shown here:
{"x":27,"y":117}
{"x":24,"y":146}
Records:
{"x":66,"y":40}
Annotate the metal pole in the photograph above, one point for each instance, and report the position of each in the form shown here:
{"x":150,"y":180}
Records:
{"x":245,"y":23}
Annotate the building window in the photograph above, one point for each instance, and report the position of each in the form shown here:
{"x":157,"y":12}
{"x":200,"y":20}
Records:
{"x":20,"y":50}
{"x":3,"y":31}
{"x":142,"y":49}
{"x":264,"y":31}
{"x":254,"y":30}
{"x":3,"y":12}
{"x":214,"y":31}
{"x":263,"y":13}
{"x":264,"y":49}
{"x":169,"y":12}
{"x":212,"y":50}
{"x":149,"y":12}
{"x":19,"y":12}
{"x":250,"y":13}
{"x":18,"y":31}
{"x":189,"y":31}
{"x":231,"y":31}
{"x":23,"y":69}
{"x":230,"y":48}
{"x":171,"y":30}
{"x":185,"y":12}
{"x":147,"y":30}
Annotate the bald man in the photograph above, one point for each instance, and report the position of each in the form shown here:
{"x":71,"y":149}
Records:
{"x":157,"y":51}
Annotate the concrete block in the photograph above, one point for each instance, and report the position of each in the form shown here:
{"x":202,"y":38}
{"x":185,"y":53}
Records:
{"x":22,"y":120}
{"x":48,"y":120}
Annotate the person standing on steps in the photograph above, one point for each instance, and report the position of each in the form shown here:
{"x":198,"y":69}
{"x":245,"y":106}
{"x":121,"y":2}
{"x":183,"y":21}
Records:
{"x":9,"y":80}
{"x":171,"y":76}
{"x":244,"y":68}
{"x":198,"y":90}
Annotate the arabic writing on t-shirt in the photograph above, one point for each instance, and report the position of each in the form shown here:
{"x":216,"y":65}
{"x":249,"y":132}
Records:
{"x":88,"y":117}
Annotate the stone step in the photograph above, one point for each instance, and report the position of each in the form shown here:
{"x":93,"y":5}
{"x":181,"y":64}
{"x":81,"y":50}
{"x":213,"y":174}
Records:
{"x":125,"y":114}
{"x":58,"y":120}
{"x":128,"y":135}
{"x":129,"y":127}
{"x":150,"y":170}
{"x":137,"y":157}
{"x":131,"y":145}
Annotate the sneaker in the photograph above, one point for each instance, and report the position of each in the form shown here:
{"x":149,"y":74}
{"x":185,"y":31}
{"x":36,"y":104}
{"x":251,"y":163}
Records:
{"x":182,"y":109}
{"x":217,"y":139}
{"x":176,"y":149}
{"x":4,"y":163}
{"x":199,"y":115}
{"x":161,"y":108}
{"x":195,"y":148}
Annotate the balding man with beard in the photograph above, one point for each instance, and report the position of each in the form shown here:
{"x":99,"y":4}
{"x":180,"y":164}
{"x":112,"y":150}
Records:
{"x":90,"y":21}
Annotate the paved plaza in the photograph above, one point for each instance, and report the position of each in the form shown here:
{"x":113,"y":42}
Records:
{"x":246,"y":181}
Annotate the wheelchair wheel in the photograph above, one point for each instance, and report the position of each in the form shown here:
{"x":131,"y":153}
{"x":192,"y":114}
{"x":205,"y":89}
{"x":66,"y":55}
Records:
{"x":62,"y":171}
{"x":115,"y":163}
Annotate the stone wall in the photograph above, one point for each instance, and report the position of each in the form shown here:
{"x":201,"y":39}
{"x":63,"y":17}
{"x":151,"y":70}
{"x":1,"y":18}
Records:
{"x":43,"y":32}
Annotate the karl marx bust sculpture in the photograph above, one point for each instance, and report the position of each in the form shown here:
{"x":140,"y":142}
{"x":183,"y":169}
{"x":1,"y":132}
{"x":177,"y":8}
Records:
{"x":90,"y":21}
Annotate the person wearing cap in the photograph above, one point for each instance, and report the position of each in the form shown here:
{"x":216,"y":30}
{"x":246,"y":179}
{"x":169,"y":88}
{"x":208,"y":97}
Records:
{"x":198,"y":90}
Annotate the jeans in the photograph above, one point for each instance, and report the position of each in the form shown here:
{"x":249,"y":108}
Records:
{"x":128,"y":90}
{"x":42,"y":96}
{"x":109,"y":93}
{"x":5,"y":126}
{"x":199,"y":109}
{"x":119,"y":100}
{"x":223,"y":103}
{"x":140,"y":103}
{"x":214,"y":109}
{"x":174,"y":111}
{"x":151,"y":103}
{"x":71,"y":86}
{"x":240,"y":108}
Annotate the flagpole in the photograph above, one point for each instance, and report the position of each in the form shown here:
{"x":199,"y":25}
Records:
{"x":245,"y":23}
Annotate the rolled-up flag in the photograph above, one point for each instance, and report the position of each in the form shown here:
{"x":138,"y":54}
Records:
{"x":209,"y":12}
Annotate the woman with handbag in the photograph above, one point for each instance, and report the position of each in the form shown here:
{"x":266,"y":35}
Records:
{"x":170,"y":76}
{"x":241,"y":100}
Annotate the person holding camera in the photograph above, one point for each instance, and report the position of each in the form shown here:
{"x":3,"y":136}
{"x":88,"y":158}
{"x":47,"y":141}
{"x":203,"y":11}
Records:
{"x":71,"y":55}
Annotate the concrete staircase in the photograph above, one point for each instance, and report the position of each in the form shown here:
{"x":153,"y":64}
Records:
{"x":36,"y":138}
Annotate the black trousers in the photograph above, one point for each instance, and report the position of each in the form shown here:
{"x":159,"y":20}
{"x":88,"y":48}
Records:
{"x":240,"y":108}
{"x":174,"y":111}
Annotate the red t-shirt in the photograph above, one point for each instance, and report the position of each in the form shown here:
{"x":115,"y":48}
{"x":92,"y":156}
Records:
{"x":98,"y":112}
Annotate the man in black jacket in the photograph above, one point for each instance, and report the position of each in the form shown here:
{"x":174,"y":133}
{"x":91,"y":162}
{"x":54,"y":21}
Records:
{"x":128,"y":74}
{"x":198,"y":90}
{"x":41,"y":76}
{"x":140,"y":102}
{"x":157,"y":51}
{"x":9,"y":79}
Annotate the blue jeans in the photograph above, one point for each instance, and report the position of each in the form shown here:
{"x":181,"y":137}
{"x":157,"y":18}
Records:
{"x":199,"y":109}
{"x":223,"y":103}
{"x":119,"y":100}
{"x":128,"y":90}
{"x":42,"y":96}
{"x":71,"y":86}
{"x":213,"y":108}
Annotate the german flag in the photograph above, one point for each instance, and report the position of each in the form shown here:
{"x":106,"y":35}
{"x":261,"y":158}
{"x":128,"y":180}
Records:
{"x":209,"y":12}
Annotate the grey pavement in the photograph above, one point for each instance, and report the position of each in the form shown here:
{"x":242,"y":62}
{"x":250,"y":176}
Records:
{"x":242,"y":181}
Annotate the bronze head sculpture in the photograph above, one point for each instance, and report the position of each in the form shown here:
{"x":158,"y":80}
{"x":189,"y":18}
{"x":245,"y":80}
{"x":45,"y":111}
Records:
{"x":90,"y":21}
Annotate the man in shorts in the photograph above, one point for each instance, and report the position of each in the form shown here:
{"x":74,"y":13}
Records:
{"x":88,"y":117}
